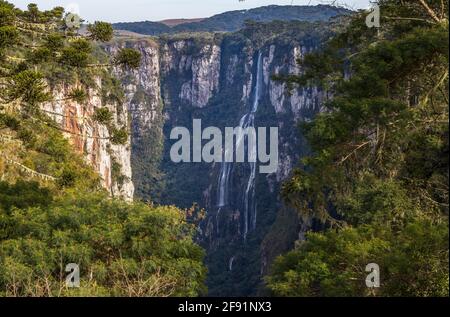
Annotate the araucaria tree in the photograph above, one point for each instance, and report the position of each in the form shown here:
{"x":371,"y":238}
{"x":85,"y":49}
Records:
{"x":378,"y":175}
{"x":53,"y":211}
{"x":41,"y":49}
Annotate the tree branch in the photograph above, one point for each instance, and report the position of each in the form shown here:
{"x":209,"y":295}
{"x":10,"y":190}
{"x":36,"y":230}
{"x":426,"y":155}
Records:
{"x":430,"y":11}
{"x":353,"y":152}
{"x":29,"y":170}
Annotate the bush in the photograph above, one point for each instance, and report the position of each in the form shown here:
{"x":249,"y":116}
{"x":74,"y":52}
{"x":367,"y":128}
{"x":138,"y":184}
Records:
{"x":8,"y":36}
{"x":128,"y":58}
{"x":54,"y":42}
{"x":103,"y":115}
{"x":41,"y":55}
{"x":122,"y":249}
{"x":119,"y":136}
{"x":79,"y":95}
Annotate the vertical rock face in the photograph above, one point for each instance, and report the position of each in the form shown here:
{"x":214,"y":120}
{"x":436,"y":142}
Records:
{"x":202,"y":68}
{"x":145,"y":107}
{"x":214,"y":80}
{"x":92,"y":139}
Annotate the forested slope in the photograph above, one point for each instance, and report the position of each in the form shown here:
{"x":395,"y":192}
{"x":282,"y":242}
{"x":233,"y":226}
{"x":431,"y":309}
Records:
{"x":378,"y":178}
{"x":53,"y":208}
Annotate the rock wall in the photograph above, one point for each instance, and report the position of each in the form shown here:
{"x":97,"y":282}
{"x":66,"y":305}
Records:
{"x":213,"y":79}
{"x":93,"y":139}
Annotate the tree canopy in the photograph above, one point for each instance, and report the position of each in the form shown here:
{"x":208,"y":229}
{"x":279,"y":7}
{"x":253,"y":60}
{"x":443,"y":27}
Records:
{"x":53,"y":211}
{"x":378,"y":176}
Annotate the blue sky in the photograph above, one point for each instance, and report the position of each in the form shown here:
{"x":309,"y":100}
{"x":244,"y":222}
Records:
{"x":155,"y":10}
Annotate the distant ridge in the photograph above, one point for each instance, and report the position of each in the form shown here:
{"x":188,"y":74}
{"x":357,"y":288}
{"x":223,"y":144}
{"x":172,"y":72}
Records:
{"x":175,"y":22}
{"x":234,"y":20}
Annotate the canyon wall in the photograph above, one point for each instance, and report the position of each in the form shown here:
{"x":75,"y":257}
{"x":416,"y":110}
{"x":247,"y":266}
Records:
{"x":92,"y":139}
{"x":213,"y":77}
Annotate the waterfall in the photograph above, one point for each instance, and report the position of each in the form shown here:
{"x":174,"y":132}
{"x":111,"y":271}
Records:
{"x":230,"y":264}
{"x":247,"y":121}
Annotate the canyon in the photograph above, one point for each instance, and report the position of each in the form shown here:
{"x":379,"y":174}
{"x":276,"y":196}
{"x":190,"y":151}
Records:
{"x":224,"y":79}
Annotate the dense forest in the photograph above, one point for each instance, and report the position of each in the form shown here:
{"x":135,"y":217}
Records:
{"x":378,"y":176}
{"x":53,"y":211}
{"x":374,"y":181}
{"x":235,"y":20}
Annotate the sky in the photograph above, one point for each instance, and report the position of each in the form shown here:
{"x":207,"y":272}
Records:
{"x":156,"y":10}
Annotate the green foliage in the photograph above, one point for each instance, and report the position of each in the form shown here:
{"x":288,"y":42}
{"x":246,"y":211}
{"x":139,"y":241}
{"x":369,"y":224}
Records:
{"x":122,"y":249}
{"x":29,"y":86}
{"x":45,"y":151}
{"x":128,"y":58}
{"x":413,"y":262}
{"x":7,"y":15}
{"x":8,"y":36}
{"x":67,"y":177}
{"x":376,"y":201}
{"x":111,"y":91}
{"x":116,"y":173}
{"x":41,"y":55}
{"x":35,"y":16}
{"x":54,"y":42}
{"x":378,"y":178}
{"x":23,"y":195}
{"x":79,"y":95}
{"x":76,"y":54}
{"x":103,"y":115}
{"x":119,"y":136}
{"x":100,"y":31}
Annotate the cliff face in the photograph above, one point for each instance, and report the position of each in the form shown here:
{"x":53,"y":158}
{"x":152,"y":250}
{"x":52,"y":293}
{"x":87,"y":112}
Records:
{"x":201,"y":71}
{"x":92,"y":139}
{"x":144,"y":103}
{"x":214,"y":79}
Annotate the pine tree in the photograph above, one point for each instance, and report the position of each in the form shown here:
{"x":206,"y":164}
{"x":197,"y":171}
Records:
{"x":380,"y":159}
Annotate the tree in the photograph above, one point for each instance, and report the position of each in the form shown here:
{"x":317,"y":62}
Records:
{"x":103,"y":115}
{"x":122,"y":249}
{"x":7,"y":16}
{"x":100,"y":31}
{"x":119,"y":136}
{"x":76,"y":54}
{"x":33,"y":14}
{"x":29,"y":86}
{"x":8,"y":36}
{"x":8,"y":32}
{"x":128,"y":58}
{"x":54,"y":42}
{"x":380,"y":159}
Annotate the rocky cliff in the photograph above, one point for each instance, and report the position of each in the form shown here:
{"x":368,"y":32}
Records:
{"x":213,"y":78}
{"x":111,"y":161}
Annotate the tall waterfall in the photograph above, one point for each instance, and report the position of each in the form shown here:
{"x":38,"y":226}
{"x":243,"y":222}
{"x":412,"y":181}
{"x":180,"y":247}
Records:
{"x":249,"y":203}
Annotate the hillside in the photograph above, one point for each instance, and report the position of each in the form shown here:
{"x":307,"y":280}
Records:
{"x":175,"y":22}
{"x":234,"y":20}
{"x":65,"y":182}
{"x":360,"y":143}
